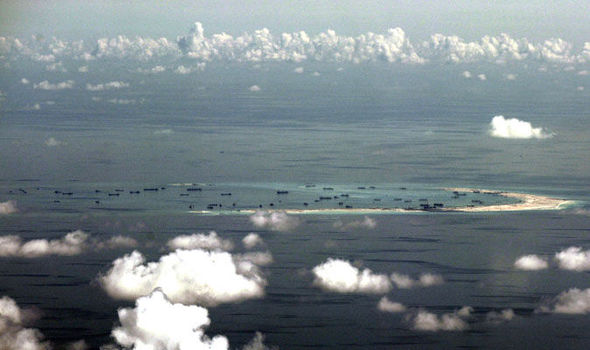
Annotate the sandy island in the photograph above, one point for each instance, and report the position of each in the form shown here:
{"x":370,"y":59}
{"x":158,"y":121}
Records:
{"x":526,"y":202}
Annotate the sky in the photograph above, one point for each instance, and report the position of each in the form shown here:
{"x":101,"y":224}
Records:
{"x":91,"y":19}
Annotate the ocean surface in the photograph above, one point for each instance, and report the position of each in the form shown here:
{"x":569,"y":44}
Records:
{"x":387,"y":136}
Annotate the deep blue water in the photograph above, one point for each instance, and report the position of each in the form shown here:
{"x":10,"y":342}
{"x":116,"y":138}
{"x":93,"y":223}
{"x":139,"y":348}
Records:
{"x":423,"y":128}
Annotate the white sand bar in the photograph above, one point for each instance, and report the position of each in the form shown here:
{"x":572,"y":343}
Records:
{"x":527,"y":202}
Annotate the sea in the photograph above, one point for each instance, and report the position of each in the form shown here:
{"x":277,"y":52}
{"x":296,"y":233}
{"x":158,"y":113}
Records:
{"x":175,"y":154}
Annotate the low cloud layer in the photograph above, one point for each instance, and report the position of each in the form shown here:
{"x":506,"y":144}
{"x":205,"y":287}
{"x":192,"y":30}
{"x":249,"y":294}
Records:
{"x":252,"y":240}
{"x":531,"y":263}
{"x":425,"y":280}
{"x":186,"y":276}
{"x":107,"y":86}
{"x":73,"y":243}
{"x":13,"y":332}
{"x":8,"y":207}
{"x":573,"y":301}
{"x":499,"y":317}
{"x":366,"y":222}
{"x":430,"y":322}
{"x":573,"y":258}
{"x":515,"y":129}
{"x":200,"y":241}
{"x":393,"y":46}
{"x":386,"y":305}
{"x":46,"y":85}
{"x":340,"y":276}
{"x":275,"y":220}
{"x":157,"y":323}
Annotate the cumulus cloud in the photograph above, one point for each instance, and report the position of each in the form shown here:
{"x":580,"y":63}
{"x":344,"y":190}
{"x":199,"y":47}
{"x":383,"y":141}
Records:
{"x":367,"y":222}
{"x":13,"y":333}
{"x":117,"y":242}
{"x":264,"y":46}
{"x":164,"y":132}
{"x":122,"y":101}
{"x":252,"y":240}
{"x":402,"y":281}
{"x":573,"y":258}
{"x":200,"y":241}
{"x":499,"y":317}
{"x":531,"y":263}
{"x":515,"y":129}
{"x":275,"y":220}
{"x":254,"y":88}
{"x":573,"y":301}
{"x":71,"y":244}
{"x":186,"y":276}
{"x":107,"y":86}
{"x":24,"y":81}
{"x":257,"y":343}
{"x":53,"y":142}
{"x":8,"y":207}
{"x":429,"y":322}
{"x":466,"y":74}
{"x":385,"y":305}
{"x":158,"y":323}
{"x":482,"y":77}
{"x":340,"y":276}
{"x":46,"y":85}
{"x":298,"y":70}
{"x":510,"y":76}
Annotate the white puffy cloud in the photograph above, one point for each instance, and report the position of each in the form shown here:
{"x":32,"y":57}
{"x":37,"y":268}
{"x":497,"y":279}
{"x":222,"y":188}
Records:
{"x":275,"y":220}
{"x":573,"y":258}
{"x":182,"y":70}
{"x":386,"y":305}
{"x":466,"y":74}
{"x":24,"y":81}
{"x":254,"y":88}
{"x":510,"y":76}
{"x":340,"y":276}
{"x":498,"y":317}
{"x":46,"y":85}
{"x":164,"y":132}
{"x":298,"y":70}
{"x":252,"y":240}
{"x":429,"y":322}
{"x":117,"y":242}
{"x":482,"y":77}
{"x":515,"y":129}
{"x":8,"y":207}
{"x":157,"y":323}
{"x":572,"y":301}
{"x":122,"y":101}
{"x":425,"y":280}
{"x":186,"y":276}
{"x":366,"y":222}
{"x":107,"y":86}
{"x":71,"y":244}
{"x":200,"y":241}
{"x":531,"y":263}
{"x":13,"y":334}
{"x":53,"y":142}
{"x":328,"y":46}
{"x":257,"y":343}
